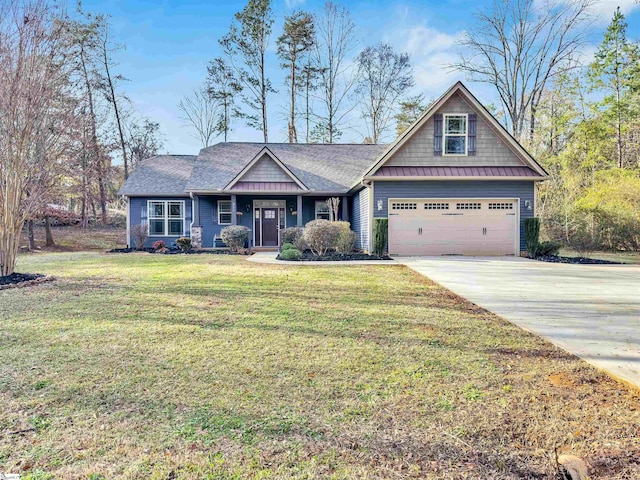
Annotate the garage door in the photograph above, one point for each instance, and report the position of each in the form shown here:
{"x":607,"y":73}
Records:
{"x":452,"y":227}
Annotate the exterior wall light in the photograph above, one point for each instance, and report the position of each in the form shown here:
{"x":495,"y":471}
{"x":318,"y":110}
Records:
{"x":527,"y":204}
{"x":379,"y":204}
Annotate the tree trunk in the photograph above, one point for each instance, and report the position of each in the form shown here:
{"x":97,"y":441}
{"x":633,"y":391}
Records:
{"x":48,"y":236}
{"x":31,"y":235}
{"x":293,"y":136}
{"x":264,"y":101}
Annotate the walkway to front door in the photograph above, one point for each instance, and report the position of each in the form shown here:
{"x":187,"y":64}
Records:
{"x":269,"y":217}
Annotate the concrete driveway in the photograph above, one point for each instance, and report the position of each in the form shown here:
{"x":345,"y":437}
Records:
{"x":592,"y":311}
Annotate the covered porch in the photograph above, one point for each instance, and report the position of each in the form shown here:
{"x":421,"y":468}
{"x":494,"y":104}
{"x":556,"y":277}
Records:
{"x":265,"y":215}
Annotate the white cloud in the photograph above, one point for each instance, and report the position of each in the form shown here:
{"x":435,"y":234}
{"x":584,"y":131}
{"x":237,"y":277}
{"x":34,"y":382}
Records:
{"x":294,"y":3}
{"x":602,"y":10}
{"x":431,"y":52}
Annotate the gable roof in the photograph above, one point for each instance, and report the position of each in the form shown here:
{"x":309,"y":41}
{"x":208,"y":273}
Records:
{"x":461,"y":89}
{"x":265,"y":152}
{"x":165,"y":175}
{"x":331,"y":168}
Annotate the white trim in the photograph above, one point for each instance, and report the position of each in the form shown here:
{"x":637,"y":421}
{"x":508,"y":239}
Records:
{"x":129,"y":222}
{"x":480,"y":109}
{"x":264,"y":151}
{"x":230,"y":212}
{"x":516,"y":246}
{"x":166,"y":218}
{"x":465,"y":135}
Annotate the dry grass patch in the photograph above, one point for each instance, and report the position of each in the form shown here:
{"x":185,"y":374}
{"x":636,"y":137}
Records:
{"x":155,"y":367}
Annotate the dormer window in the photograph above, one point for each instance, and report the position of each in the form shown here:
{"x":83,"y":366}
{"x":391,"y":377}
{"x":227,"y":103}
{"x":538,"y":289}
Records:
{"x":455,"y":134}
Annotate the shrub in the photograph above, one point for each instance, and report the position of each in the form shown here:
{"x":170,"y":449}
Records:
{"x":291,"y":254}
{"x":548,"y":248}
{"x":159,"y":244}
{"x":532,"y":235}
{"x":140,"y":233}
{"x":380,"y":235}
{"x":295,"y":236}
{"x":321,"y":235}
{"x":585,"y":239}
{"x":235,"y":236}
{"x":184,"y":244}
{"x":287,"y":246}
{"x":346,"y":239}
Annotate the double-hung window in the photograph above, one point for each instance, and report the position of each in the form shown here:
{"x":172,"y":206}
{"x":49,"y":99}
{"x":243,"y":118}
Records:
{"x":322,"y":210}
{"x":166,"y":218}
{"x":224,"y":212}
{"x":455,"y":134}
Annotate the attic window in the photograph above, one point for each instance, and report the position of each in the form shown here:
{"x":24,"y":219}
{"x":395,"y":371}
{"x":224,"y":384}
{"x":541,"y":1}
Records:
{"x":455,"y":134}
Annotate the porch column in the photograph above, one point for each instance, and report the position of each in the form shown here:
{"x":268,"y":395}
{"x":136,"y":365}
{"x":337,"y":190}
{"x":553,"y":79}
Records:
{"x":299,"y":210}
{"x":345,"y":209}
{"x":196,"y":228}
{"x":234,"y":210}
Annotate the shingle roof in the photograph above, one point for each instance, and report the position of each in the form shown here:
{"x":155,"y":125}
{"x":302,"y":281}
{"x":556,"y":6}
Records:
{"x":320,"y":167}
{"x":456,"y":172}
{"x":160,"y":175}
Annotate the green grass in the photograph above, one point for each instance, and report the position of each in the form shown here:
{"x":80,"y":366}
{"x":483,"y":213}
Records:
{"x":211,"y":367}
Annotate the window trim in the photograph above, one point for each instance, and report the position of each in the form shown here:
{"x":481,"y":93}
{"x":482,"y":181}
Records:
{"x":465,"y":135}
{"x":166,"y":218}
{"x":230,"y":212}
{"x":328,"y":212}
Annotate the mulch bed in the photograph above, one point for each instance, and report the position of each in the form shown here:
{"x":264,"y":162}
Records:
{"x":19,"y":280}
{"x":578,"y":260}
{"x":336,"y":257}
{"x":175,"y":251}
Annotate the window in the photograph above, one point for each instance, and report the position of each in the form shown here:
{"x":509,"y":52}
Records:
{"x":404,"y":206}
{"x":436,"y":206}
{"x":224,"y":212}
{"x":166,"y":218}
{"x":322,"y":210}
{"x":468,"y":206}
{"x":455,"y":134}
{"x":501,"y":206}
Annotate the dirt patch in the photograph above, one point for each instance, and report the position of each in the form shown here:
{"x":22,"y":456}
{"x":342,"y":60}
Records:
{"x":561,"y":379}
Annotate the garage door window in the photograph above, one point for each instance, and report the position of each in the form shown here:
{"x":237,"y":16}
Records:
{"x":404,"y":206}
{"x":501,"y":206}
{"x":436,"y":206}
{"x":468,"y":206}
{"x":455,"y":134}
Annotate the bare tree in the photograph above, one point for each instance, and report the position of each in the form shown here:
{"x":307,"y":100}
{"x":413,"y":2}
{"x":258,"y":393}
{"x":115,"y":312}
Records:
{"x":143,"y":140}
{"x":520,"y":45}
{"x":384,"y":76}
{"x":309,"y":76}
{"x":201,"y":113}
{"x":334,"y":42}
{"x":223,"y":87}
{"x":246,"y":47}
{"x":35,"y":106}
{"x":296,"y":40}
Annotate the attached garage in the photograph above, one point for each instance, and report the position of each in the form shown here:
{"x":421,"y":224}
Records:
{"x":446,"y":226}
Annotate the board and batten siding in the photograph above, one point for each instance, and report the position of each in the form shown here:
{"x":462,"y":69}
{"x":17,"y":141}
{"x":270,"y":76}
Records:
{"x":360,"y":218}
{"x":138,"y":215}
{"x":456,"y":189}
{"x":491,"y":150}
{"x":266,"y":170}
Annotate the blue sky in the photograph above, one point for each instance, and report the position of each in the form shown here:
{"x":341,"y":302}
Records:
{"x":168,"y":44}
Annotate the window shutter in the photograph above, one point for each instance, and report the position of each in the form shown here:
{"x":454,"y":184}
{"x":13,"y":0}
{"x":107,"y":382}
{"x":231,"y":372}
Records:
{"x":437,"y":134}
{"x":472,"y":134}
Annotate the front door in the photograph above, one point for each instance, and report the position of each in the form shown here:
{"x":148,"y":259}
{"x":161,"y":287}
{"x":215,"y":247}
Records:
{"x":269,"y":227}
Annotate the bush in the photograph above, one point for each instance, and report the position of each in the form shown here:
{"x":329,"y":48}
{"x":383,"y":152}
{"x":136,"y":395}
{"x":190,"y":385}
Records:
{"x":548,"y":248}
{"x":321,"y":236}
{"x":291,"y":254}
{"x":532,"y":235}
{"x":140,"y":234}
{"x":287,"y":246}
{"x":184,"y":244}
{"x":235,"y":236}
{"x":346,"y":239}
{"x":295,"y":236}
{"x":585,"y":239}
{"x":159,"y":244}
{"x":380,"y":235}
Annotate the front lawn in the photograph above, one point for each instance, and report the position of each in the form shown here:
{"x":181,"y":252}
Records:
{"x":173,"y":367}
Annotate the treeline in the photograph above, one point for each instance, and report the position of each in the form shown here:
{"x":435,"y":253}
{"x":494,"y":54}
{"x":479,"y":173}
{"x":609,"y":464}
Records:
{"x":327,"y":83}
{"x":63,"y":117}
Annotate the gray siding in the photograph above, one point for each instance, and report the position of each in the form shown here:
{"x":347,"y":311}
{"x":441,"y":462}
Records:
{"x":456,"y":189}
{"x":138,"y":215}
{"x":266,"y":170}
{"x":360,"y":218}
{"x":491,"y":149}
